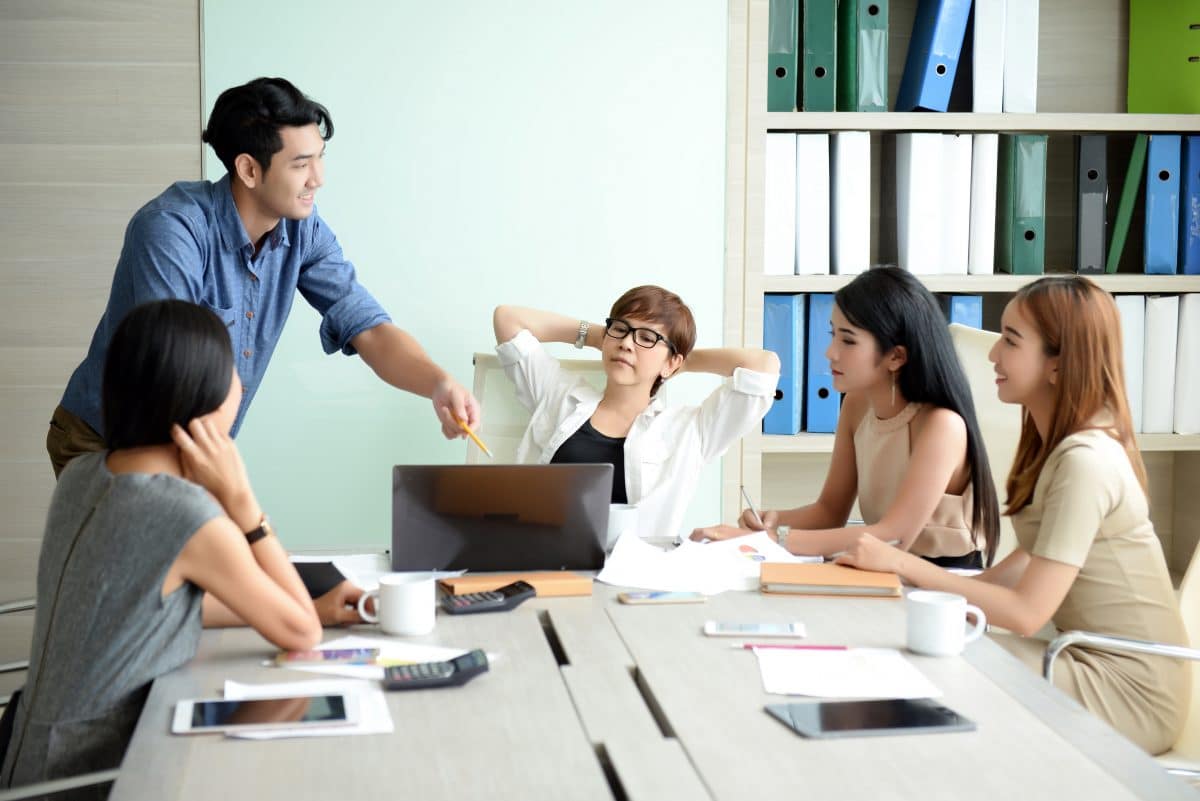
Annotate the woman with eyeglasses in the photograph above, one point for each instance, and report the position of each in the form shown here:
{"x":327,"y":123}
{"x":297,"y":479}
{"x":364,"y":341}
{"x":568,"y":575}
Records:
{"x":657,"y":451}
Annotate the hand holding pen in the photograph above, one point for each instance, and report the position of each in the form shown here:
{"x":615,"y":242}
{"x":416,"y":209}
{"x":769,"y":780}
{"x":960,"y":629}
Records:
{"x":752,"y":520}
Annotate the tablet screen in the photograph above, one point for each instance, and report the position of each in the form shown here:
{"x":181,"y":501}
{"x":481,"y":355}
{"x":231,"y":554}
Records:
{"x":863,"y":718}
{"x":321,"y":709}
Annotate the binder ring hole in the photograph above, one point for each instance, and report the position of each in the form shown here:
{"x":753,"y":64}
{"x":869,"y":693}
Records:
{"x":1164,"y":175}
{"x":781,"y":72}
{"x":940,"y":69}
{"x":872,"y":10}
{"x":1029,"y":236}
{"x":1194,"y":59}
{"x":819,"y":72}
{"x":823,"y":393}
{"x":1093,"y":174}
{"x":779,"y":394}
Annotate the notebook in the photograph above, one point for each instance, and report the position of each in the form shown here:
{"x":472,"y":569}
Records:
{"x":826,"y":579}
{"x":500,"y":517}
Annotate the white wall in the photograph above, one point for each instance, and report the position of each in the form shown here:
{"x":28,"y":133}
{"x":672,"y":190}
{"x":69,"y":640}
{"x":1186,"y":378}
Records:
{"x":543,"y":153}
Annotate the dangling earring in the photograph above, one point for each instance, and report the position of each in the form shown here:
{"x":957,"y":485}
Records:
{"x":893,"y":389}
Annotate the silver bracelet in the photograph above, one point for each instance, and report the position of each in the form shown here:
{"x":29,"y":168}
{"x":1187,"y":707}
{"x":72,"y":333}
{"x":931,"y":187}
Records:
{"x":581,"y":340}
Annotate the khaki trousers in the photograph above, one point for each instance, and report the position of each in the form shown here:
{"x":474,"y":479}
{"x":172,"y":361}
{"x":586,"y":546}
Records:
{"x":69,"y":437}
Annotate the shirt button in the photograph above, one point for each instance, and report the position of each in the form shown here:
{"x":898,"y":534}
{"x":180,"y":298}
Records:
{"x":249,"y":315}
{"x":246,"y":353}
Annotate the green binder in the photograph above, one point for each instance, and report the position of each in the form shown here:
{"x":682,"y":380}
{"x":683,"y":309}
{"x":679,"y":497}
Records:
{"x":862,"y":55}
{"x":1129,"y":196}
{"x":783,"y":38}
{"x":819,"y":62}
{"x":1021,"y":204}
{"x":1163,"y":40}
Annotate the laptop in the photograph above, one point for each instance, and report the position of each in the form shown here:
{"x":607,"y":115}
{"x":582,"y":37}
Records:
{"x":500,"y":517}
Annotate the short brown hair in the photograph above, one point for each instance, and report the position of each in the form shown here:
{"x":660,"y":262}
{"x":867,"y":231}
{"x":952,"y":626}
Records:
{"x":657,"y":305}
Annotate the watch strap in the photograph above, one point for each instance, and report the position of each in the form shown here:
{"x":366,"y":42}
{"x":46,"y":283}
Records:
{"x":581,"y":339}
{"x":260,"y":531}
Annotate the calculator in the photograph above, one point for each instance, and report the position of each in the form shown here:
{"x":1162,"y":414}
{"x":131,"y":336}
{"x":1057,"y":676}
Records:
{"x":498,"y":600}
{"x":451,"y":673}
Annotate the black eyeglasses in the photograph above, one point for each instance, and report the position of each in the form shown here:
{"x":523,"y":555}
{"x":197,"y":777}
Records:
{"x":642,"y":337}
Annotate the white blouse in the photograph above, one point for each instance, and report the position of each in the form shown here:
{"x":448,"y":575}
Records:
{"x":665,"y":449}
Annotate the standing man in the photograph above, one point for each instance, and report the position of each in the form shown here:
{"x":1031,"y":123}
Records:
{"x":242,"y":247}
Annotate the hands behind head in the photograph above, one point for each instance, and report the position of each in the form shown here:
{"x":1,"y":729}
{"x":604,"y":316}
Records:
{"x":339,"y":606}
{"x":451,"y":400}
{"x":210,"y":458}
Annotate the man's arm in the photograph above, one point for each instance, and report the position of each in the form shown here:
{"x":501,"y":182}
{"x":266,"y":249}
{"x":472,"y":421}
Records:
{"x":399,"y":359}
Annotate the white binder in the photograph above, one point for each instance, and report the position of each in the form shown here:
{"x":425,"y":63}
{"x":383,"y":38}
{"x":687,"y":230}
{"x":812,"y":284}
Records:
{"x":919,"y":202}
{"x":1021,"y":56}
{"x":1132,"y":309}
{"x":956,"y":203}
{"x":981,"y":256}
{"x":988,"y":57}
{"x":779,"y":213}
{"x":1187,"y":367}
{"x":1158,"y":386}
{"x":812,"y":204}
{"x":851,"y":202}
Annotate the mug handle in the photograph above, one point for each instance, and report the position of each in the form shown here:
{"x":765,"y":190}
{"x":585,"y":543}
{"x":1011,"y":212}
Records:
{"x":980,"y":624}
{"x":362,"y":606}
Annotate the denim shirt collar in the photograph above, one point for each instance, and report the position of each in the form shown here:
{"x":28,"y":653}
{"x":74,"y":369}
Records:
{"x":229,"y":222}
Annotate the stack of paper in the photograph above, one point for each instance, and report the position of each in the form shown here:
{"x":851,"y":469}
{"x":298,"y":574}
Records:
{"x":694,"y":567}
{"x":852,"y":673}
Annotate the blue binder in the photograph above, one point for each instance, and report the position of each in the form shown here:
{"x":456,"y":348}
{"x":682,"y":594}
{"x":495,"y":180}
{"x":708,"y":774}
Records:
{"x":933,"y":51}
{"x":1189,"y":212}
{"x":821,"y":401}
{"x":963,"y":309}
{"x":783,"y":333}
{"x":1162,"y":205}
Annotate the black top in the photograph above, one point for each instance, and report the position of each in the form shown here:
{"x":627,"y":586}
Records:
{"x":589,"y":446}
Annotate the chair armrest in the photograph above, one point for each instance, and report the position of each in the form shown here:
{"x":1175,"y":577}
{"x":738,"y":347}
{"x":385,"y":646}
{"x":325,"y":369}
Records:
{"x":17,"y":606}
{"x":1109,"y":643}
{"x":59,"y":785}
{"x":13,"y":667}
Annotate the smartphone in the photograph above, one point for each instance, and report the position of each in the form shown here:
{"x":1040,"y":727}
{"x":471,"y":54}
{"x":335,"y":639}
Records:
{"x":206,"y":715}
{"x":660,"y":597}
{"x":721,"y":628}
{"x":332,"y":656}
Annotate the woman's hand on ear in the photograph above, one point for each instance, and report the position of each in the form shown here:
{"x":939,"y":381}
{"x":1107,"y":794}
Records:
{"x":210,"y":458}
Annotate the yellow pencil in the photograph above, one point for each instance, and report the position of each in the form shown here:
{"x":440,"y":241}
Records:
{"x":477,"y":440}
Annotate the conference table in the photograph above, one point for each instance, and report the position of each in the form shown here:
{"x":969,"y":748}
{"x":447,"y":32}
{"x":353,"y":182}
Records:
{"x":588,"y":698}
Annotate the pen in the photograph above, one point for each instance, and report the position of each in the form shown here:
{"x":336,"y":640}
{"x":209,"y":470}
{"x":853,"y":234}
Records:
{"x":833,"y":556}
{"x":477,"y":440}
{"x":750,"y":646}
{"x":750,"y":503}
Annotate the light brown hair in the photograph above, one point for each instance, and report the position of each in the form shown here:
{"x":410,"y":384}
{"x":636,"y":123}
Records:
{"x":657,"y":305}
{"x":1079,"y":324}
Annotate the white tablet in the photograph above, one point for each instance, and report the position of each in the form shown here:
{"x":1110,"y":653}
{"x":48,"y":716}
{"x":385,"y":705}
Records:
{"x":205,"y":715}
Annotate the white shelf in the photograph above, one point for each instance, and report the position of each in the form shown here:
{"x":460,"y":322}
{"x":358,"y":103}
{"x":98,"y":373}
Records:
{"x":823,"y":443}
{"x":1007,"y":123}
{"x":1000,"y":282}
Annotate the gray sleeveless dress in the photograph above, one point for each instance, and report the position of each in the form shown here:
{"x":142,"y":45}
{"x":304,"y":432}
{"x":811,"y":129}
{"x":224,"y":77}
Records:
{"x":102,"y":630}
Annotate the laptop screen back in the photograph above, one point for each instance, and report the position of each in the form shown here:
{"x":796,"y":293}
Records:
{"x":500,"y":517}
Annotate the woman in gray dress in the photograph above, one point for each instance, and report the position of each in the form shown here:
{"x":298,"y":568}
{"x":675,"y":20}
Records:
{"x":145,"y":543}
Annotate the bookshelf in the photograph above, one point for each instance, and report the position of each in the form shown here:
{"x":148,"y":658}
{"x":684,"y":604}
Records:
{"x":1083,"y":64}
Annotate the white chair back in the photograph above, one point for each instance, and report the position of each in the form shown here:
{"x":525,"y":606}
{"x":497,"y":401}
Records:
{"x":1188,"y":745}
{"x":504,"y":418}
{"x":1000,"y":423}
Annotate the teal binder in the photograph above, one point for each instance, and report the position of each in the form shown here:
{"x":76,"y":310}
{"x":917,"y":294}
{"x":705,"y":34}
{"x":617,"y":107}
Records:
{"x":862,"y":55}
{"x":1021,"y":204}
{"x":783,"y":39}
{"x":818,"y":24}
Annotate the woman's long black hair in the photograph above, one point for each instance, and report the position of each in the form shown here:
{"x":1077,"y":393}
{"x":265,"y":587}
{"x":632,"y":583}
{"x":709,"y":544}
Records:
{"x":897,"y":309}
{"x":169,"y":361}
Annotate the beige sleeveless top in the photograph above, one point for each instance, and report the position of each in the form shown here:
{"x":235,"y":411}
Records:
{"x":881,"y":450}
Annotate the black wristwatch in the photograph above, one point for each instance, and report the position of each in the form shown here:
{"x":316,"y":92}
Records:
{"x":264,"y":528}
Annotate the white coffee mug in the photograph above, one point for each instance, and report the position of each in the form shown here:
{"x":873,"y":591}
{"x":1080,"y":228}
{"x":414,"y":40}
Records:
{"x":622,"y":517}
{"x":937,"y":622}
{"x":405,"y":604}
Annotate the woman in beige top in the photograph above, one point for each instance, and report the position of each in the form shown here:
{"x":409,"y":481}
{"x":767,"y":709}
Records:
{"x":1088,"y":557}
{"x":907,"y":444}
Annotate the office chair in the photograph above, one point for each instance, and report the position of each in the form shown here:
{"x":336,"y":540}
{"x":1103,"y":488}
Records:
{"x":8,"y":608}
{"x":504,"y":418}
{"x":1000,"y":423}
{"x":1184,"y":758}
